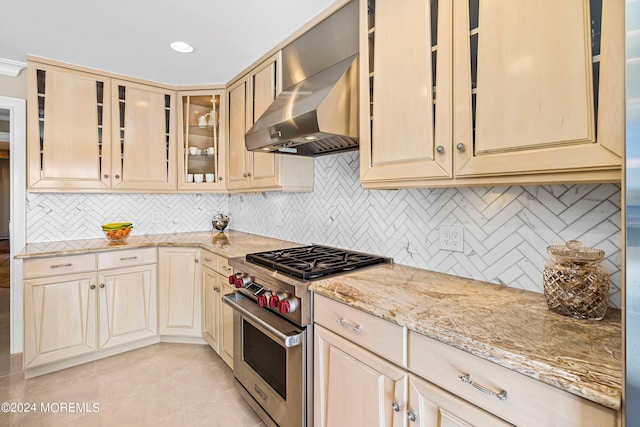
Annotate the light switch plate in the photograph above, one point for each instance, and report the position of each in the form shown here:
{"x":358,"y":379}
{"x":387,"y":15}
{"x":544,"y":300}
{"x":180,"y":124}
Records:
{"x":452,"y":238}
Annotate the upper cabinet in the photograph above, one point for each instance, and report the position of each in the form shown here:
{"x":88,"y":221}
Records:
{"x":475,"y":92}
{"x":248,"y":98}
{"x":88,"y":132}
{"x":201,"y":148}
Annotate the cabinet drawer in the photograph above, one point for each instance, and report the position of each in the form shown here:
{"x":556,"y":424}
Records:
{"x":381,"y":337}
{"x":529,"y":402}
{"x":55,"y":266}
{"x":127,"y":258}
{"x":216,"y":262}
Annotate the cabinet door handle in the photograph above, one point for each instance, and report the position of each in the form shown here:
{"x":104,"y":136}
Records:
{"x":196,"y":260}
{"x":60,"y":265}
{"x":227,"y":268}
{"x":126,"y":258}
{"x":244,"y":174}
{"x":466,"y":378}
{"x":216,"y":289}
{"x":411,"y":415}
{"x":106,"y":176}
{"x":344,"y":324}
{"x":440,"y":149}
{"x":208,"y":259}
{"x":92,"y":286}
{"x":460,"y":147}
{"x":117,"y":176}
{"x":102,"y":285}
{"x":220,"y":179}
{"x":249,"y":174}
{"x":396,"y":406}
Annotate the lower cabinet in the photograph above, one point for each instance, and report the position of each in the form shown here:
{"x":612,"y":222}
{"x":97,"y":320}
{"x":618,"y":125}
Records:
{"x":352,"y":386}
{"x":179,"y":293}
{"x":77,"y":305}
{"x":217,"y":317}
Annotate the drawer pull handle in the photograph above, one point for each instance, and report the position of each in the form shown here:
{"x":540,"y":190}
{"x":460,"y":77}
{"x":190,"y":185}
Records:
{"x":59,"y":265}
{"x":207,"y":259}
{"x":226,"y":268}
{"x":126,"y":258}
{"x":395,"y":406}
{"x":216,"y":289}
{"x":501,"y":396}
{"x":411,"y":415}
{"x":344,"y":324}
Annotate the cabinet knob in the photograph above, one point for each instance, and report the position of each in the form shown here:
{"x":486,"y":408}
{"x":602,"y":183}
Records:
{"x":460,"y":147}
{"x":117,"y":176}
{"x":106,"y":176}
{"x":216,"y":289}
{"x":93,"y":286}
{"x":411,"y":415}
{"x":396,"y":406}
{"x":102,"y":285}
{"x":440,"y":149}
{"x":249,"y":174}
{"x":245,"y":175}
{"x":196,"y":260}
{"x":220,"y":179}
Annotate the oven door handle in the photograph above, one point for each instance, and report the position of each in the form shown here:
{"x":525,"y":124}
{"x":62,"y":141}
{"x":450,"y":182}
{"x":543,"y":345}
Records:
{"x":280,"y":329}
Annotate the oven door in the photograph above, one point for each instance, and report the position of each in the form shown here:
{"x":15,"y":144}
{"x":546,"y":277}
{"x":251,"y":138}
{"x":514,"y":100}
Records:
{"x":270,"y":360}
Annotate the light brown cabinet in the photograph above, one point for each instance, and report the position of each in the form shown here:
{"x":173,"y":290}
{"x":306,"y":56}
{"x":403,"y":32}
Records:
{"x":455,"y":102}
{"x":202,"y":143}
{"x":81,"y":305}
{"x":248,"y":98}
{"x":88,"y":132}
{"x":180,"y":292}
{"x":217,"y":317}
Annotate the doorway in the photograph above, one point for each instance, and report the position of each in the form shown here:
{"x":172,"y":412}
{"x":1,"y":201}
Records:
{"x":5,"y":264}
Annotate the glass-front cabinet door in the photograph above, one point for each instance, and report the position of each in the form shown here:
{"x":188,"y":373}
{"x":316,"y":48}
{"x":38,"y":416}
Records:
{"x":201,"y":151}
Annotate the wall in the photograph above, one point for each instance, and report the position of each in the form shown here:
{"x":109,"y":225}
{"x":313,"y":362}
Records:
{"x":62,"y":216}
{"x":506,"y":229}
{"x":14,"y":87}
{"x":4,"y":198}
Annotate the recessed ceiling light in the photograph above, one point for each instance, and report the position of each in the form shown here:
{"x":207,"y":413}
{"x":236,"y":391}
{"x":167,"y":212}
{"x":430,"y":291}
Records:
{"x":181,"y":47}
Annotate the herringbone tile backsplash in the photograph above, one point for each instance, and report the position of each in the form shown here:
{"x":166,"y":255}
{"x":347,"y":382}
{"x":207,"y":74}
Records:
{"x":506,"y":229}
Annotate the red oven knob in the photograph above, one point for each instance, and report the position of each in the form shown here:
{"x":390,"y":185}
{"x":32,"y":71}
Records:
{"x":288,"y":305}
{"x":262,"y":301}
{"x":232,"y":278}
{"x":274,"y":301}
{"x":242,"y":281}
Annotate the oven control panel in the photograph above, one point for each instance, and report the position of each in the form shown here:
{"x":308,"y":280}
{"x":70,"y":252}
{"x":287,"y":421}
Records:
{"x":277,"y":300}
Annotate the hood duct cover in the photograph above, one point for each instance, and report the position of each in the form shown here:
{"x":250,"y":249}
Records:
{"x":316,"y":116}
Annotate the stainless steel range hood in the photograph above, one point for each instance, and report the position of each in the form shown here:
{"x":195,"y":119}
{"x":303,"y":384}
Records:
{"x":317,"y":113}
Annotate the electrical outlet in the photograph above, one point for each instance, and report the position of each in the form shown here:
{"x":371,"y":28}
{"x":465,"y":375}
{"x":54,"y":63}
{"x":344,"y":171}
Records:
{"x":157,"y":218}
{"x":452,"y":238}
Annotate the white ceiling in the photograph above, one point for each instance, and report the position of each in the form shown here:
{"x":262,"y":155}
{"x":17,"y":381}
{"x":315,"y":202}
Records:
{"x":132,"y":37}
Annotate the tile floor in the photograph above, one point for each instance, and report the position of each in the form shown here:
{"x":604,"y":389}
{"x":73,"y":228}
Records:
{"x":160,"y":385}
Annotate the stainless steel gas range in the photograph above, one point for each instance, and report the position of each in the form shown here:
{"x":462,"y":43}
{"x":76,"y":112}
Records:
{"x":273,"y":326}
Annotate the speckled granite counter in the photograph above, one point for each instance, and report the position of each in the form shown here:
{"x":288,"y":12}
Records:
{"x":228,"y":244}
{"x":511,"y":327}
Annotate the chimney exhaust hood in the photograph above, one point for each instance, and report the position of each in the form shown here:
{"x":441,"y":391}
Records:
{"x":316,"y":116}
{"x":317,"y":112}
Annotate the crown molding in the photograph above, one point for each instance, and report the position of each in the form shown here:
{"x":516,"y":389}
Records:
{"x":10,"y":67}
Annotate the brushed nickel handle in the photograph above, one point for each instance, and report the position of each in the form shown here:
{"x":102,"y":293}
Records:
{"x":440,"y":149}
{"x":411,"y":415}
{"x":503,"y":395}
{"x":460,"y":147}
{"x":344,"y":324}
{"x":227,"y":268}
{"x":395,"y":406}
{"x":92,"y":286}
{"x":59,"y":265}
{"x":126,"y":258}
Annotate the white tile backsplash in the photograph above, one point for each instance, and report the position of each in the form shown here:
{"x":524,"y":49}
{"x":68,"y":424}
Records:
{"x":506,"y":229}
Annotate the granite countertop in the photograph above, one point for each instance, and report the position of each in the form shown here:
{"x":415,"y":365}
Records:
{"x":508,"y":326}
{"x":229,"y":244}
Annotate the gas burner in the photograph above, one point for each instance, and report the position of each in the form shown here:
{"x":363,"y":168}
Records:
{"x":312,"y":262}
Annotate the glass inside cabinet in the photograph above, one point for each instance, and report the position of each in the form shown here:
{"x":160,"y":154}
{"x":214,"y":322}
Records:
{"x":201,"y":139}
